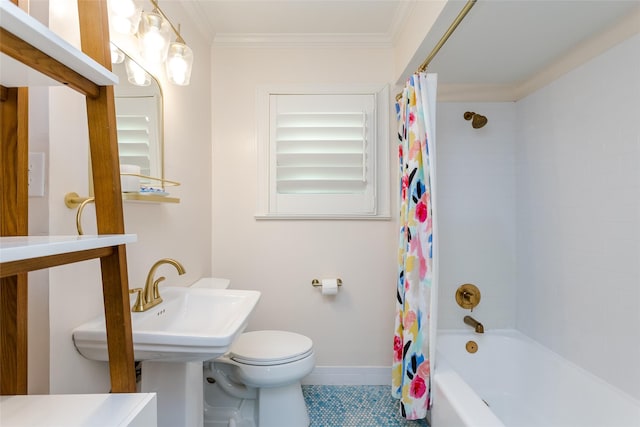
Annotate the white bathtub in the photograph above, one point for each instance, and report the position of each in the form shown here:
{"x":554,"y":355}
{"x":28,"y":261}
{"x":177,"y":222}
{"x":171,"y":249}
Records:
{"x":513,"y":381}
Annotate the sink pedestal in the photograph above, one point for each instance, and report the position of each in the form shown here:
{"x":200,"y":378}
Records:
{"x":179,"y":389}
{"x":172,"y":340}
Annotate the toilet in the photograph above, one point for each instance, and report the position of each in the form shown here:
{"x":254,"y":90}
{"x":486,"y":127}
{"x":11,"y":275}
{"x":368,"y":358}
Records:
{"x":257,"y":383}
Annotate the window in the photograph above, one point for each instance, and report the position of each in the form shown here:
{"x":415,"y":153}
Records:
{"x":324,"y":153}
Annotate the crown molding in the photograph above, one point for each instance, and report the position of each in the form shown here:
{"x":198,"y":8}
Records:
{"x":300,"y":40}
{"x":450,"y":92}
{"x":318,"y":40}
{"x":582,"y":53}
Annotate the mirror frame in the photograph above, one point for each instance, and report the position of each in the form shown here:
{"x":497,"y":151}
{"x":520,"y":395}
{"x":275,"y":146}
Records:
{"x":119,"y":69}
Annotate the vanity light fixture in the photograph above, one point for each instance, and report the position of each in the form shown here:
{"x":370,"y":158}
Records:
{"x":136,"y":74}
{"x":179,"y":61}
{"x":154,"y":36}
{"x":124,"y":16}
{"x":153,"y":30}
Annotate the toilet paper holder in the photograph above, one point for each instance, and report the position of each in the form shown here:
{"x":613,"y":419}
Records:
{"x":316,"y":282}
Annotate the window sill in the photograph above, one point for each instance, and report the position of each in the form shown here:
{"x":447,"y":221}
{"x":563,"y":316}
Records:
{"x":333,"y":217}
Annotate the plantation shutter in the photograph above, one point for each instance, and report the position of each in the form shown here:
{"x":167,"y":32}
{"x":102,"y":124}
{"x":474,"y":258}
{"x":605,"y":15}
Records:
{"x":136,"y":133}
{"x":323,"y":153}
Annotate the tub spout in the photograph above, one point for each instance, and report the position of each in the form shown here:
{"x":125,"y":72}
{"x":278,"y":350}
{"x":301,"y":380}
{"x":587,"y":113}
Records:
{"x":474,"y":324}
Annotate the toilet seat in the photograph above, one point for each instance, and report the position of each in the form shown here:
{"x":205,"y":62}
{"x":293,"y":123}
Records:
{"x":268,"y":348}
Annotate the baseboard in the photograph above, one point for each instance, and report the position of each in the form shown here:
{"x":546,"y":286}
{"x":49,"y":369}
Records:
{"x":349,"y":375}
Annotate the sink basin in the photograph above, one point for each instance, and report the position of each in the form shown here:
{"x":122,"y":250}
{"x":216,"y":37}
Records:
{"x":191,"y":324}
{"x":211,"y":283}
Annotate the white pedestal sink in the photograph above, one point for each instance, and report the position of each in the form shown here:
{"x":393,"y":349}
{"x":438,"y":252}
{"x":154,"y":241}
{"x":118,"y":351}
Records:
{"x":172,"y":340}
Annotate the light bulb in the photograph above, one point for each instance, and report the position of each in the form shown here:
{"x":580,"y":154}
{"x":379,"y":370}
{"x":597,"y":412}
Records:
{"x":120,"y":24}
{"x":154,"y":39}
{"x":117,"y":56}
{"x":178,"y":68}
{"x":179,"y":63}
{"x":124,"y":8}
{"x":125,"y":24}
{"x":136,"y":74}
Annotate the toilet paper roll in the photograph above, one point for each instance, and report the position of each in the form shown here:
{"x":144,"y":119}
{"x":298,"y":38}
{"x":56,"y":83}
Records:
{"x":329,"y":286}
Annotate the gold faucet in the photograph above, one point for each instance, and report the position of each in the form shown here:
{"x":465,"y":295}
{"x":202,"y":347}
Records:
{"x":150,"y":296}
{"x":474,"y":324}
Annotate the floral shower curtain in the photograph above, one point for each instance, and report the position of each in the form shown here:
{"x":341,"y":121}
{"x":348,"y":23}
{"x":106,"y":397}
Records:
{"x":414,"y":343}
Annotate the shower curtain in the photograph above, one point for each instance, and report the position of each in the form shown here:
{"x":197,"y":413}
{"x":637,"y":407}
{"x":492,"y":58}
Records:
{"x":414,"y":340}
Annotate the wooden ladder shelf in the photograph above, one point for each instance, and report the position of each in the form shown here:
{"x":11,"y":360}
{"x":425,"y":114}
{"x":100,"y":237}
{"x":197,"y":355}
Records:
{"x":28,"y":42}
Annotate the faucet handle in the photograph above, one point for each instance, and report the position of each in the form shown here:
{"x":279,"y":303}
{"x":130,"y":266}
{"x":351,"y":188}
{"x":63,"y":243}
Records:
{"x":156,"y":290}
{"x":138,"y":305}
{"x":468,"y":296}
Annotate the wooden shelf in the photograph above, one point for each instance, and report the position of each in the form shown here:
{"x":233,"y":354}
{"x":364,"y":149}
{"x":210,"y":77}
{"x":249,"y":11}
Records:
{"x":27,"y":44}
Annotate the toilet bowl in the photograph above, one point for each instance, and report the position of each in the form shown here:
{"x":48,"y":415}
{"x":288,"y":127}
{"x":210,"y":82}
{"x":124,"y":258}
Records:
{"x":257,"y":383}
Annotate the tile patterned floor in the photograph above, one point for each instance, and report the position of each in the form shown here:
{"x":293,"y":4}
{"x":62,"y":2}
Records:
{"x":354,"y":406}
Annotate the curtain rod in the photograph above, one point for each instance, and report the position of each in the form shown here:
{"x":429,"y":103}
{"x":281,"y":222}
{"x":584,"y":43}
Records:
{"x":467,"y":7}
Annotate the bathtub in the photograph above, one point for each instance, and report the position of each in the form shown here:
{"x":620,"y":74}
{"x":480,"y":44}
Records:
{"x":513,"y":381}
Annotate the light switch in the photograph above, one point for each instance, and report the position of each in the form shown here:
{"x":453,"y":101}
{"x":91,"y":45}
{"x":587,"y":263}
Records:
{"x":36,"y":175}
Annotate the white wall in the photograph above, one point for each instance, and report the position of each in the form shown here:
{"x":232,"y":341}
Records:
{"x":410,"y":46}
{"x":280,"y":257}
{"x":578,"y":166}
{"x":38,"y":326}
{"x":476,"y":212}
{"x":179,"y":231}
{"x":540,"y":209}
{"x":37,"y":322}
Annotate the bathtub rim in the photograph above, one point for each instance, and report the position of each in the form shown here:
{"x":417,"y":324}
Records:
{"x":464,"y":400}
{"x":517,"y":334}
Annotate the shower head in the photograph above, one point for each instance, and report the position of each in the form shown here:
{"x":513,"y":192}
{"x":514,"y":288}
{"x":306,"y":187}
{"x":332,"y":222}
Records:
{"x":477,"y":120}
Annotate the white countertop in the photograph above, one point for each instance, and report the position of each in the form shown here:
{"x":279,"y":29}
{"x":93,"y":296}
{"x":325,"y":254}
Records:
{"x":79,"y":410}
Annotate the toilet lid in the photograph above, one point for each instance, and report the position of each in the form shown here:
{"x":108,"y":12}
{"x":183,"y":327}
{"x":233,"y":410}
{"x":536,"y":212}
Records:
{"x":270,"y":347}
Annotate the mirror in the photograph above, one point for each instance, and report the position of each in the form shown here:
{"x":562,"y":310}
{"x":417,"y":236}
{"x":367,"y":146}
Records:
{"x":139,"y":121}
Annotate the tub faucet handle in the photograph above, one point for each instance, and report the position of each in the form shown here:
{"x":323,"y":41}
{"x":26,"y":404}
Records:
{"x":468,"y":296}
